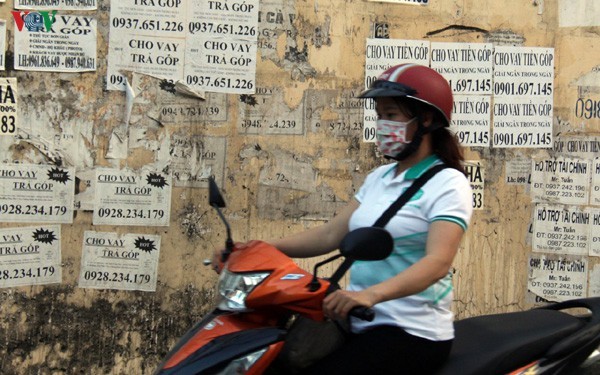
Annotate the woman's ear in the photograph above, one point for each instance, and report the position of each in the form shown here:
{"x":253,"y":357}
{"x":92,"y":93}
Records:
{"x":427,"y":118}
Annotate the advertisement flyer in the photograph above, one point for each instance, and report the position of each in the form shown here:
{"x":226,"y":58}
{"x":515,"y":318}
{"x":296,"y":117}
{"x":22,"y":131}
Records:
{"x":381,"y":55}
{"x":468,"y":67}
{"x":208,"y":45}
{"x":518,"y":171}
{"x":558,"y":278}
{"x":57,"y":4}
{"x":594,"y":286}
{"x":595,"y":191}
{"x":36,"y":193}
{"x":561,"y":229}
{"x":578,"y":146}
{"x":128,"y":262}
{"x":8,"y":106}
{"x":595,"y":232}
{"x":53,"y":42}
{"x":272,"y":116}
{"x":523,"y":97}
{"x":151,"y":99}
{"x":147,"y":37}
{"x":333,"y":113}
{"x":221,"y":46}
{"x":30,"y":256}
{"x":2,"y":45}
{"x":561,"y":180}
{"x":194,"y":159}
{"x":275,"y":18}
{"x":177,"y":110}
{"x":475,"y":174}
{"x":84,"y":193}
{"x":126,"y":197}
{"x":471,"y":117}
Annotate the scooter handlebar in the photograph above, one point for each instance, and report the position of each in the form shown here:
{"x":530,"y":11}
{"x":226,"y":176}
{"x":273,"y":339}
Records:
{"x":363,"y":313}
{"x":360,"y":312}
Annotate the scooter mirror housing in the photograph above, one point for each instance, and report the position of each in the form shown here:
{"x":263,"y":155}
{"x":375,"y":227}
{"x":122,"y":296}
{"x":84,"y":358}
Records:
{"x":215,"y":199}
{"x":367,"y":243}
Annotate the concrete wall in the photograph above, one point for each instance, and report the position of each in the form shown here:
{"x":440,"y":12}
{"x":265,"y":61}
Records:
{"x":287,"y":157}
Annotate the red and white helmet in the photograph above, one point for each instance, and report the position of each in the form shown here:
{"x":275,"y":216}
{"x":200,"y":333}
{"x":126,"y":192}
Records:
{"x":415,"y":82}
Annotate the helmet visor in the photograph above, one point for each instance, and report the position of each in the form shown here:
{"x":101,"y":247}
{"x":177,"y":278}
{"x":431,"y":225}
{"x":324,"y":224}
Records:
{"x":387,"y":88}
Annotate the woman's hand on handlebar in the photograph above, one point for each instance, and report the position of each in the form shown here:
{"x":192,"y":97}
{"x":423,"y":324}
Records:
{"x":338,"y":304}
{"x":216,"y":262}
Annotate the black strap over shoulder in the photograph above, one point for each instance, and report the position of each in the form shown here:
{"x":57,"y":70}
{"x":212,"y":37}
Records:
{"x":405,"y":197}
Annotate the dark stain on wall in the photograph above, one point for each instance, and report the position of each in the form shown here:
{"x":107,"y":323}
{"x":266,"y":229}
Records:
{"x":88,"y":339}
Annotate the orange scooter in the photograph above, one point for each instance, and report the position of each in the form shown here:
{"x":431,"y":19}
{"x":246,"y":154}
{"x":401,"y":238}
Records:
{"x":260,"y":290}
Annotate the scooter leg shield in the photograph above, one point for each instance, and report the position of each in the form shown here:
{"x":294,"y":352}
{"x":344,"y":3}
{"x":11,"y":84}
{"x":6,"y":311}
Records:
{"x":217,"y":341}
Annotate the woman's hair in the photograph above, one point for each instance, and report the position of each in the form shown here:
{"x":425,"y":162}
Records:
{"x":445,"y":145}
{"x":444,"y":142}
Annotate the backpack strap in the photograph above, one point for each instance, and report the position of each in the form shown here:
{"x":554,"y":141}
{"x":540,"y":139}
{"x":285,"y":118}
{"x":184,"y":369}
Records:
{"x":408,"y":193}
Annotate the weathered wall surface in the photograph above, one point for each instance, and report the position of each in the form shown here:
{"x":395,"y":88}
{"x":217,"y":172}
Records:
{"x":287,"y":157}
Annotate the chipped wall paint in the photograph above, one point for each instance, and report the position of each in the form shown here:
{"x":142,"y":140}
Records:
{"x":305,"y":161}
{"x":578,"y":13}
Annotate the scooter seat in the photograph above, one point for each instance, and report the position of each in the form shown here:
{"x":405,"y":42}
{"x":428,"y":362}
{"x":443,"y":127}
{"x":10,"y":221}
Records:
{"x":500,"y":343}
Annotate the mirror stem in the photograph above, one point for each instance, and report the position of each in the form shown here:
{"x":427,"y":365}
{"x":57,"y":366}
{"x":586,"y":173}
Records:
{"x":314,"y":284}
{"x":229,"y":240}
{"x":339,"y":273}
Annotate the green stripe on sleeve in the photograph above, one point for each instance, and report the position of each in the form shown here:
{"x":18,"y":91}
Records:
{"x":453,"y":219}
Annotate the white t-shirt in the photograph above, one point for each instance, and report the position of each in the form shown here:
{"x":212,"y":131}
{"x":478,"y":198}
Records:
{"x":446,"y":196}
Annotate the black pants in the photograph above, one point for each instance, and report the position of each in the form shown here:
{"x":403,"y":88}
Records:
{"x":384,"y":350}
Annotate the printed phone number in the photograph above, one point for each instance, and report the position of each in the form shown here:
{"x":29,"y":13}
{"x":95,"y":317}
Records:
{"x":340,"y":126}
{"x":519,"y":179}
{"x":559,"y":244}
{"x":117,"y":277}
{"x":278,"y":124}
{"x":18,"y":209}
{"x":471,"y":85}
{"x":561,"y":236}
{"x":26,"y":273}
{"x":472,"y":137}
{"x":563,"y":194}
{"x":189,"y":111}
{"x":147,"y":25}
{"x":552,"y":284}
{"x":73,"y":3}
{"x":523,"y":88}
{"x":539,"y":185}
{"x":221,"y":28}
{"x":120,"y":213}
{"x":587,"y":108}
{"x":562,"y":293}
{"x":522,"y":139}
{"x":220,"y":82}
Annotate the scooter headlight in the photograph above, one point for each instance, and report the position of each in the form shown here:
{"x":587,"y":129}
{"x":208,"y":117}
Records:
{"x":243,"y":364}
{"x":233,"y":289}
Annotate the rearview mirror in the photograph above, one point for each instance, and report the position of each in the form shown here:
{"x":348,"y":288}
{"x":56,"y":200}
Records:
{"x":367,"y":243}
{"x":215,"y":199}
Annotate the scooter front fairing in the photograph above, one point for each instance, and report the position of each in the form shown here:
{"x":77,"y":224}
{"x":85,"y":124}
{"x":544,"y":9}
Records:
{"x":224,"y":340}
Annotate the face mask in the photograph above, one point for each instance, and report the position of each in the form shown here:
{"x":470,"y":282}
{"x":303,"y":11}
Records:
{"x":391,"y":136}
